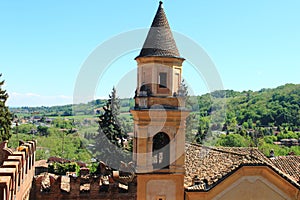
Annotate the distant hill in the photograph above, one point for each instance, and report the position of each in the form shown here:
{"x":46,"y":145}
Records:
{"x":89,"y":108}
{"x":267,"y":107}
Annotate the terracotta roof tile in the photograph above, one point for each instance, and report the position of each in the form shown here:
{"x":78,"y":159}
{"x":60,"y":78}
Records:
{"x":207,"y":166}
{"x":289,"y":165}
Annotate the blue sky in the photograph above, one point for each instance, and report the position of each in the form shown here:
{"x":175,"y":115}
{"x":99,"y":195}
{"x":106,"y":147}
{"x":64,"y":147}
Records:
{"x":44,"y":44}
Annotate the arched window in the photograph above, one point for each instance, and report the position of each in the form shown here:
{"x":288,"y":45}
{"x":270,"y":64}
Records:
{"x":161,"y":151}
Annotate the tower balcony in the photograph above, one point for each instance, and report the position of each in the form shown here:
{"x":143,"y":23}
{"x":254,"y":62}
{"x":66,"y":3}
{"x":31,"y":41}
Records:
{"x":167,"y":102}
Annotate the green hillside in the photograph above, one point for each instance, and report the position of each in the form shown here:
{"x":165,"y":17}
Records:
{"x":87,"y":109}
{"x":268,"y":119}
{"x":261,"y":118}
{"x":266,"y":107}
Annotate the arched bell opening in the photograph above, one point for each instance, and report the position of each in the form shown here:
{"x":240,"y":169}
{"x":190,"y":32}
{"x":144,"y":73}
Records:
{"x":161,"y":151}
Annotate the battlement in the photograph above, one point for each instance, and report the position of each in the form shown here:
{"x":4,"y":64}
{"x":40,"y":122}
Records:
{"x":49,"y":186}
{"x":16,"y":170}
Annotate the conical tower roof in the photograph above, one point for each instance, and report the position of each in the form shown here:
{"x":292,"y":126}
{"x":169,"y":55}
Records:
{"x":160,"y":41}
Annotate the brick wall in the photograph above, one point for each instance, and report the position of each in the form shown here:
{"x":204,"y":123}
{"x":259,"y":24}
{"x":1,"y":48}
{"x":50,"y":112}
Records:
{"x":17,"y":171}
{"x":81,"y":188}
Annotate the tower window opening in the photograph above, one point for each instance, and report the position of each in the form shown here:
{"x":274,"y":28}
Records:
{"x":160,"y":198}
{"x":161,"y":151}
{"x":162,"y":80}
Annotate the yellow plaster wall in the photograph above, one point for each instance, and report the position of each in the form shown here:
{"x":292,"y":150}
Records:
{"x":150,"y":186}
{"x":149,"y":69}
{"x":146,"y":126}
{"x":253,"y":187}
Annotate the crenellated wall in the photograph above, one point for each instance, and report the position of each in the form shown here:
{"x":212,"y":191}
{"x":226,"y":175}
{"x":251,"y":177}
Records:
{"x":16,"y":170}
{"x":50,"y":186}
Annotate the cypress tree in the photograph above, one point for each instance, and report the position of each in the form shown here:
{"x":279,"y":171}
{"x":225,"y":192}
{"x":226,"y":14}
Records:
{"x":108,"y":141}
{"x":5,"y":115}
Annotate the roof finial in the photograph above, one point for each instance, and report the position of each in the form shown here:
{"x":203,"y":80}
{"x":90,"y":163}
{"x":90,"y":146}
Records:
{"x":160,"y":4}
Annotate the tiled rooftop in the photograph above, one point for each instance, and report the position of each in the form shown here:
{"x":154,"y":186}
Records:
{"x":207,"y":166}
{"x":289,"y":165}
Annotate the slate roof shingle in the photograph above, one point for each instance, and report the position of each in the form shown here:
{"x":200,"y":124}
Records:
{"x":159,"y":41}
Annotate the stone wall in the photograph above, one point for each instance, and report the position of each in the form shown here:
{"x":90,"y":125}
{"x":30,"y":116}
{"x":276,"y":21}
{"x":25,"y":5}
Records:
{"x":17,"y":171}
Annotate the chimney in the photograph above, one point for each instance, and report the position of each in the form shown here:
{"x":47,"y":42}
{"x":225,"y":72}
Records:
{"x":196,"y":180}
{"x":3,"y":145}
{"x":205,"y":181}
{"x":272,"y":155}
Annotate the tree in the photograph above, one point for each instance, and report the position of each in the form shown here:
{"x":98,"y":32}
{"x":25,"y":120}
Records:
{"x":109,"y":140}
{"x":5,"y":115}
{"x":43,"y":130}
{"x":233,"y":140}
{"x":192,"y":120}
{"x":183,"y":89}
{"x":24,"y":128}
{"x":109,"y":121}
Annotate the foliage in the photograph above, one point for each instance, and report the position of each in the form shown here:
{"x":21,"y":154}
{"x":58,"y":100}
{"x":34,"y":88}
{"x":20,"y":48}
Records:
{"x":288,"y":135}
{"x":62,"y":123}
{"x":43,"y":130}
{"x":267,"y":107}
{"x":63,"y":168}
{"x":56,"y":144}
{"x":278,"y":150}
{"x":270,"y":139}
{"x":109,"y":140}
{"x":88,"y":109}
{"x":24,"y":128}
{"x":109,"y":122}
{"x":126,"y":121}
{"x":191,"y":126}
{"x":5,"y":115}
{"x":233,"y":140}
{"x":94,"y":168}
{"x":260,"y":118}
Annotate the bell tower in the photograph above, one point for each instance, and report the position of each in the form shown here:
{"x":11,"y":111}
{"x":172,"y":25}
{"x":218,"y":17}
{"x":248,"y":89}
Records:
{"x":159,"y":115}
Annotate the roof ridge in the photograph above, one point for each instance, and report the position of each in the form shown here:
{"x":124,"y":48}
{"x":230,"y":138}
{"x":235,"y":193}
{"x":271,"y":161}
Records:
{"x":204,"y":161}
{"x":226,"y":149}
{"x":265,"y":161}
